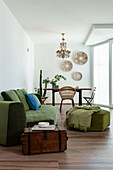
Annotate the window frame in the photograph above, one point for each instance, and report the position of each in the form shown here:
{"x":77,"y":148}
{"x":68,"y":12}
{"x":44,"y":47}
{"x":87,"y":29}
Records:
{"x":110,"y":43}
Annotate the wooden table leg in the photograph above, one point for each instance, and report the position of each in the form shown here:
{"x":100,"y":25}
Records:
{"x":53,"y":97}
{"x":80,"y":97}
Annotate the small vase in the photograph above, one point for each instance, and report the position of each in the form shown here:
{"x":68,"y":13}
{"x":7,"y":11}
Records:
{"x":57,"y":87}
{"x":54,"y":86}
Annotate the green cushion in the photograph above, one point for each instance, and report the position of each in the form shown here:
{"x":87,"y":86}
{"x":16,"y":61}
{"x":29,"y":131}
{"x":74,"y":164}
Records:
{"x":44,"y":113}
{"x":22,"y":98}
{"x":24,"y":91}
{"x":100,"y":121}
{"x":10,"y":95}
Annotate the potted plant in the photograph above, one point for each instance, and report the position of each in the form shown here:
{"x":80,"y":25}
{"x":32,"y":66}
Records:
{"x":53,"y":81}
{"x":56,"y":79}
{"x":45,"y":81}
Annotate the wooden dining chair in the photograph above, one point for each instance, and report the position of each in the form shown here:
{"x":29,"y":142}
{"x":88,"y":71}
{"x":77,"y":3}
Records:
{"x":90,"y":99}
{"x":67,"y":93}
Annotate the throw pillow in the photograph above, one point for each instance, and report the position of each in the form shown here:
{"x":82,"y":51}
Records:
{"x":22,"y":98}
{"x":24,"y":91}
{"x":31,"y":101}
{"x":10,"y":95}
{"x":36,"y":100}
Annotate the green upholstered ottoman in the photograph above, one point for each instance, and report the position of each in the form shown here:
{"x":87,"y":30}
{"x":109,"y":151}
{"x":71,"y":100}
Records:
{"x":100,"y":121}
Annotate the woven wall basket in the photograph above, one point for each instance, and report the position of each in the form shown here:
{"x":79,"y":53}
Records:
{"x":66,"y":65}
{"x":81,"y":58}
{"x":77,"y":76}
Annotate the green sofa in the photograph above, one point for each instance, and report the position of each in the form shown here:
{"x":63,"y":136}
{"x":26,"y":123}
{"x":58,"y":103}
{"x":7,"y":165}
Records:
{"x":15,"y":115}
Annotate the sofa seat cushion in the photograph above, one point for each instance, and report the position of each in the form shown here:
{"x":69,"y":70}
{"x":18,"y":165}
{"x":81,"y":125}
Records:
{"x":21,"y":94}
{"x":10,"y":95}
{"x":44,"y":113}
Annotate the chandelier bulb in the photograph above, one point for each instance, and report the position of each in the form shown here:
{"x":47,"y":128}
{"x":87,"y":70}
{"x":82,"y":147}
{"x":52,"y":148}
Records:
{"x":63,"y":39}
{"x":63,"y":34}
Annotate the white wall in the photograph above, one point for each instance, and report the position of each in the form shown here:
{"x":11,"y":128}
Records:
{"x":16,"y":64}
{"x":45,"y":59}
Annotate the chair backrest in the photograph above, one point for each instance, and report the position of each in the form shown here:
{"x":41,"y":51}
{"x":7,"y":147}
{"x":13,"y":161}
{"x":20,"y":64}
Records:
{"x":67,"y":92}
{"x":93,"y":93}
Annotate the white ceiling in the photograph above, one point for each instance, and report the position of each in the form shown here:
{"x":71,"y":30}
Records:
{"x":44,"y":20}
{"x":99,"y":33}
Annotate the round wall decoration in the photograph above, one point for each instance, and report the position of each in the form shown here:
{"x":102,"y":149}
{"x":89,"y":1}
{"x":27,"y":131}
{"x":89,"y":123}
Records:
{"x":81,"y":58}
{"x":77,"y":76}
{"x":66,"y":65}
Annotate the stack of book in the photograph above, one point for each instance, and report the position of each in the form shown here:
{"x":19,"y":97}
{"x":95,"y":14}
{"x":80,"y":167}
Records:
{"x":37,"y":127}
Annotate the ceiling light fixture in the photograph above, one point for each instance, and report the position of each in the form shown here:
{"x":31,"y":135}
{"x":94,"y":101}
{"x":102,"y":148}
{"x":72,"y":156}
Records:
{"x":63,"y":52}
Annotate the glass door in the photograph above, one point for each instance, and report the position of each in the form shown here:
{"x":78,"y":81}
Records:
{"x":101,"y":74}
{"x":112,"y":76}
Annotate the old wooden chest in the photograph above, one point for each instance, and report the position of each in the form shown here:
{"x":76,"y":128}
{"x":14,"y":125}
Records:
{"x":43,"y":141}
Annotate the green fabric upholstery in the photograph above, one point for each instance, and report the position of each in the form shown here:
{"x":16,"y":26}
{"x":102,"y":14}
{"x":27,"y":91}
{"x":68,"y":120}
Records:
{"x":12,"y":122}
{"x":22,"y":98}
{"x":79,"y":117}
{"x":24,"y":91}
{"x":10,"y":95}
{"x":15,"y":116}
{"x":44,"y":113}
{"x":100,"y":121}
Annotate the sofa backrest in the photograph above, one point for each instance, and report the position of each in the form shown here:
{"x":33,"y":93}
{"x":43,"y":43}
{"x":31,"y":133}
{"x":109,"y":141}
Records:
{"x":16,"y":95}
{"x":21,"y":94}
{"x":10,"y":95}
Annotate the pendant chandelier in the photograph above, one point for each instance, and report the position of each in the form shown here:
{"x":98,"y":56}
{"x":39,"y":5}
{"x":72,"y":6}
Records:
{"x":63,"y":52}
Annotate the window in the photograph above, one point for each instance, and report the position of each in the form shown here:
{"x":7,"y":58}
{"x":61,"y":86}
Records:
{"x":101,"y":73}
{"x":112,"y":77}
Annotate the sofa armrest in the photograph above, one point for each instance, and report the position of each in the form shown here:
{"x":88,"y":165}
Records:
{"x":12,"y":122}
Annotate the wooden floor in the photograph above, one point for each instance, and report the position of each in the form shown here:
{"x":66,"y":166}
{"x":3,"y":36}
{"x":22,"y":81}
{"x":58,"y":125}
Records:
{"x":86,"y":151}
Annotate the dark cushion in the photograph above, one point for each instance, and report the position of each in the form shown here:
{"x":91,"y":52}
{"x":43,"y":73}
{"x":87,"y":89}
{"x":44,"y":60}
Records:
{"x":38,"y":96}
{"x":10,"y":95}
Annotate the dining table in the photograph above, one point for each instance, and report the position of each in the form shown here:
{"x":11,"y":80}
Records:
{"x":79,"y":90}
